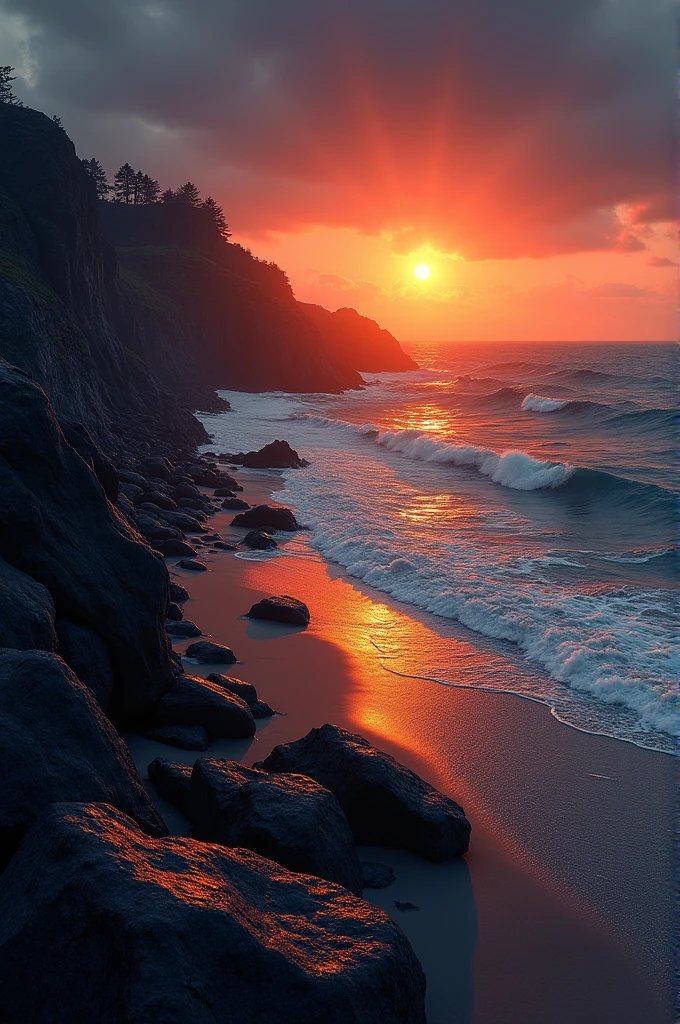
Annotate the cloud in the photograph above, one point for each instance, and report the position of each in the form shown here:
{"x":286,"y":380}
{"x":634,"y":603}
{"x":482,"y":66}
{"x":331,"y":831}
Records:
{"x":660,"y":261}
{"x":492,"y":129}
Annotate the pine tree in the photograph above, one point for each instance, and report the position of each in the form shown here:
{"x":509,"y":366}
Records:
{"x":123,"y":184}
{"x":137,"y":186}
{"x":217,"y":214}
{"x":169,"y":196}
{"x":98,"y":175}
{"x":149,"y":190}
{"x":189,"y":194}
{"x":6,"y":93}
{"x":58,"y":121}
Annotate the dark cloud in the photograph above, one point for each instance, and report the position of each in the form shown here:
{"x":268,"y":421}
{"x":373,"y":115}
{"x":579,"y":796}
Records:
{"x":491,"y":127}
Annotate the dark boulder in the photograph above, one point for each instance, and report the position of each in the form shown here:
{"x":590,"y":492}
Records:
{"x":57,"y":526}
{"x":246,"y":691}
{"x":172,"y":780}
{"x":158,"y":467}
{"x":186,"y":737}
{"x":85,"y":652}
{"x":173,"y":547}
{"x":80,"y":439}
{"x":193,"y":701}
{"x":185,"y":490}
{"x":136,"y":479}
{"x":207,"y":653}
{"x":261,"y":517}
{"x":26,"y":612}
{"x":235,"y":503}
{"x":100,"y":923}
{"x":194,"y":505}
{"x":153,"y":532}
{"x":183,"y":521}
{"x":223,"y":545}
{"x":377,"y":876}
{"x":261,"y":709}
{"x":289,"y":818}
{"x":174,"y":612}
{"x":193,"y":564}
{"x":57,"y":744}
{"x":158,"y":499}
{"x":277,"y":455}
{"x":178,"y":592}
{"x":386,"y":803}
{"x":281,"y":609}
{"x":182,"y":628}
{"x":258,"y":540}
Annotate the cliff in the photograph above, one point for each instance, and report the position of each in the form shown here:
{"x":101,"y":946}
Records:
{"x":361,"y":342}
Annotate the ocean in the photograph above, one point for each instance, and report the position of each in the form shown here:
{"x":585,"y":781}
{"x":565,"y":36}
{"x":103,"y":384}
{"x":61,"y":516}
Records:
{"x":522,"y":496}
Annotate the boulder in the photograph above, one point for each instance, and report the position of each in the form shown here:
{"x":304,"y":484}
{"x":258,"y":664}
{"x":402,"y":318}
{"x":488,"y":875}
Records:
{"x":277,"y":455}
{"x":193,"y":701}
{"x":172,"y":780}
{"x":57,"y":526}
{"x":376,"y":875}
{"x":246,"y":691}
{"x":154,"y":532}
{"x":157,"y":499}
{"x":182,"y":628}
{"x":281,"y":609}
{"x":26,"y":612}
{"x":87,"y":654}
{"x":185,"y":490}
{"x":183,"y":521}
{"x":261,"y":709}
{"x":173,"y":547}
{"x":178,"y":593}
{"x":100,"y":923}
{"x":258,"y":540}
{"x":262,"y":517}
{"x":158,"y":467}
{"x":207,"y":653}
{"x":80,"y":439}
{"x":194,"y":505}
{"x":57,"y":744}
{"x":128,"y":477}
{"x":235,"y":503}
{"x":174,"y":612}
{"x":193,"y":564}
{"x":288,"y":818}
{"x":186,"y":737}
{"x":386,"y":803}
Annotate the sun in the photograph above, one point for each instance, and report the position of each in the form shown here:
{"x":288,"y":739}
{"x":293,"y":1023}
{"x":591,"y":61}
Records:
{"x":422,"y":271}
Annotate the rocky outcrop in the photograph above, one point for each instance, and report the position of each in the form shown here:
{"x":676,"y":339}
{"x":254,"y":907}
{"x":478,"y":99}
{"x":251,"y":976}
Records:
{"x":386,"y":803}
{"x":58,"y":745}
{"x":361,"y":342}
{"x":26,"y":612}
{"x":175,"y":930}
{"x":276,"y":455}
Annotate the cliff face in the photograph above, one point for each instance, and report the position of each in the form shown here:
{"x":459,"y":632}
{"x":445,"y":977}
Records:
{"x":361,"y":342}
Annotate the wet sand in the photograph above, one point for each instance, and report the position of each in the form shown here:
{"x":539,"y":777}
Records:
{"x":562,"y":910}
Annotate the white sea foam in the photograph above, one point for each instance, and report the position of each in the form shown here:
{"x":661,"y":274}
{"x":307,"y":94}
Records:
{"x":536,"y":403}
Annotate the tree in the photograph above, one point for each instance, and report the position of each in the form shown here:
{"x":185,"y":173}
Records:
{"x":98,"y":175}
{"x":58,"y":121}
{"x":217,"y":215}
{"x":6,"y":93}
{"x":147,"y":189}
{"x":123,"y":184}
{"x":189,"y":194}
{"x":169,"y":196}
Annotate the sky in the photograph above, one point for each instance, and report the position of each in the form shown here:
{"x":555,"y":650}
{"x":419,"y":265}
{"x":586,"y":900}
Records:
{"x":521,"y":150}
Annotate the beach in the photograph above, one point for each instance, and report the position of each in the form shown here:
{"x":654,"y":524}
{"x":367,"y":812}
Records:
{"x":562,"y":910}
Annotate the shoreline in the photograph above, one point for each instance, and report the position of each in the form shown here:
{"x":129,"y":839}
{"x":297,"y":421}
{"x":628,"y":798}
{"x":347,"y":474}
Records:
{"x":540,"y":931}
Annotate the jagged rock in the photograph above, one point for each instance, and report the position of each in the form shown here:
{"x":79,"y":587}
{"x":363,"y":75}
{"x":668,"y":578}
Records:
{"x":180,"y":931}
{"x":178,"y":592}
{"x":258,"y":540}
{"x":172,"y":780}
{"x":288,"y":818}
{"x":234,"y":503}
{"x":57,"y":526}
{"x":172,"y":547}
{"x":376,"y":875}
{"x":386,"y":803}
{"x":57,"y":744}
{"x":261,"y":709}
{"x":85,"y":652}
{"x":193,"y":701}
{"x":207,"y":653}
{"x":80,"y":439}
{"x":26,"y":612}
{"x":183,"y":628}
{"x":246,"y":691}
{"x":281,"y":609}
{"x":193,"y":564}
{"x":262,"y":517}
{"x":186,"y":737}
{"x":277,"y":455}
{"x":158,"y":499}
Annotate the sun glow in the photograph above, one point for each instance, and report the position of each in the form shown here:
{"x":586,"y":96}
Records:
{"x":422,"y":271}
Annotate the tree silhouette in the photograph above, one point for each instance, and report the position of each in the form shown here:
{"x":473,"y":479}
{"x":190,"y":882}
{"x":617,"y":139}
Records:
{"x":58,"y":121}
{"x":98,"y":175}
{"x":124,"y":184}
{"x":6,"y":93}
{"x":188,"y":194}
{"x":149,"y":190}
{"x":169,"y":196}
{"x":217,"y":214}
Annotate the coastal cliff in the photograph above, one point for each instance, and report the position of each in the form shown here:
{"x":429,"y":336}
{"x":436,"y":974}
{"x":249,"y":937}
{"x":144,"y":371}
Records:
{"x":359,"y":340}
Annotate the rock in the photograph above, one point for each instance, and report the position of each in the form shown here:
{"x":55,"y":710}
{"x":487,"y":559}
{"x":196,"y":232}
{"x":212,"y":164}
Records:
{"x":153,"y":533}
{"x":128,"y":477}
{"x":287,"y":818}
{"x":223,"y":545}
{"x":130,"y":491}
{"x":258,"y":540}
{"x":204,"y":477}
{"x":26,"y":612}
{"x":100,"y":923}
{"x":377,"y":876}
{"x":172,"y":780}
{"x":80,"y":439}
{"x":208,"y":653}
{"x":194,"y":505}
{"x":193,"y":564}
{"x":277,"y":455}
{"x":187,"y":737}
{"x":183,"y":521}
{"x":182,"y":628}
{"x":246,"y":691}
{"x":57,"y":744}
{"x":193,"y":701}
{"x":172,"y":547}
{"x":227,"y":481}
{"x":85,"y":652}
{"x":57,"y":526}
{"x":158,"y":467}
{"x":156,"y":498}
{"x":224,"y":492}
{"x":261,"y":709}
{"x":127,"y":511}
{"x":386,"y":803}
{"x":234,"y":503}
{"x":281,"y":609}
{"x":174,"y":612}
{"x":185,"y":490}
{"x":178,"y":592}
{"x":261,"y":517}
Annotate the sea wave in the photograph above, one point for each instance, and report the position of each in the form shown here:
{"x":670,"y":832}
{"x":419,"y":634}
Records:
{"x":537,"y":403}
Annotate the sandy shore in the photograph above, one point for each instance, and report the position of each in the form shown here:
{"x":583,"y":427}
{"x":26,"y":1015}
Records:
{"x":562,"y":911}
